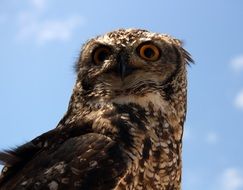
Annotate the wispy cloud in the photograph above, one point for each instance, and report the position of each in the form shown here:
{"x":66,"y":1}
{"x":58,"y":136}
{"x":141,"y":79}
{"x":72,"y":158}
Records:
{"x":231,"y":179}
{"x":57,"y":29}
{"x":212,"y":138}
{"x":48,"y":30}
{"x":237,"y":63}
{"x":239,"y":100}
{"x":38,"y":4}
{"x":33,"y":27}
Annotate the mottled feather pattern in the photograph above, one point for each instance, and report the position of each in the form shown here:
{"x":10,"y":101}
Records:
{"x":124,"y":124}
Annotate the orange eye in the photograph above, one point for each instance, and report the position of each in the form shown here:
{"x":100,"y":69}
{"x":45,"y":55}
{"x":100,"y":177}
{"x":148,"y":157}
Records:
{"x":101,"y":54}
{"x":149,"y":52}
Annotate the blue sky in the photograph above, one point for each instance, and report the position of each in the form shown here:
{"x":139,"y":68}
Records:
{"x":40,"y":41}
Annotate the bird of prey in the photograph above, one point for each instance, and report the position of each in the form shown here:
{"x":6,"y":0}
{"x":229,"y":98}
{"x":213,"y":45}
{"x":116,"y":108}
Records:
{"x":124,"y":124}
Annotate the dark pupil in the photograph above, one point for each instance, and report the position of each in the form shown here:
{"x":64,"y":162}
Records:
{"x":102,"y":56}
{"x":149,"y":52}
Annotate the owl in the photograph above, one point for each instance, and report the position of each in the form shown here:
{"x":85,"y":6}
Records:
{"x":124,"y":124}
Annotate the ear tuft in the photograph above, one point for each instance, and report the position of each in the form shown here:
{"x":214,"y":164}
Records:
{"x":187,"y":56}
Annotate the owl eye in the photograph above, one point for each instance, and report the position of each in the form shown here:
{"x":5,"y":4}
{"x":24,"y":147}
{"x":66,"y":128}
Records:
{"x":101,"y":54}
{"x":149,"y":52}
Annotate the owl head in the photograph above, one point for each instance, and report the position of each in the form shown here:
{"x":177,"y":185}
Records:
{"x":131,"y":62}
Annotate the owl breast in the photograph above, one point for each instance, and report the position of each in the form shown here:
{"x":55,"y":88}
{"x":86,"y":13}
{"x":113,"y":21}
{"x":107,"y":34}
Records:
{"x":147,"y":137}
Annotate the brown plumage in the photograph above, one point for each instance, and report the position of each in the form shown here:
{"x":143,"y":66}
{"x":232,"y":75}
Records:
{"x":124,"y":124}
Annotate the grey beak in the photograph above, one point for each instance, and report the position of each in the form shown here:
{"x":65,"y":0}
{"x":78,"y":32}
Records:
{"x":124,"y":69}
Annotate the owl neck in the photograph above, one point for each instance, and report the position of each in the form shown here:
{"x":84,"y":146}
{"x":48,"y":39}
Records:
{"x":149,"y":130}
{"x":147,"y":138}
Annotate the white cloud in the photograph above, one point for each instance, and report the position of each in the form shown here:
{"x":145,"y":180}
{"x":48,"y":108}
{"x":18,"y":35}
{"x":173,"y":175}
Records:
{"x":231,"y":179}
{"x":237,"y":63}
{"x":38,"y":4}
{"x":239,"y":100}
{"x":57,"y":29}
{"x":212,"y":138}
{"x":49,"y":30}
{"x":32,"y":26}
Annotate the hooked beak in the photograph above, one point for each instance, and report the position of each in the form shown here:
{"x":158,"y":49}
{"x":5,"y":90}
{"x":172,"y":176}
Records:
{"x":124,"y":68}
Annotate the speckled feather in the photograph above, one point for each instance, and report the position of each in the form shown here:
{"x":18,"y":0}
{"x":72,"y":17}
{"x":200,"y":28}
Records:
{"x":119,"y":132}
